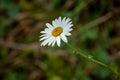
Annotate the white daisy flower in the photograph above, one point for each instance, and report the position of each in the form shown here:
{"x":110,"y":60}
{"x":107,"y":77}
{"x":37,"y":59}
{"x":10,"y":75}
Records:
{"x":56,"y":32}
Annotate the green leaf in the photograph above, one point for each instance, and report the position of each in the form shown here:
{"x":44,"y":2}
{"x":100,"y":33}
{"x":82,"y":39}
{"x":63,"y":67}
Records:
{"x":100,"y":54}
{"x":79,"y":74}
{"x":15,"y":76}
{"x":3,"y":25}
{"x":88,"y":34}
{"x":101,"y":72}
{"x":11,"y":8}
{"x":1,"y":29}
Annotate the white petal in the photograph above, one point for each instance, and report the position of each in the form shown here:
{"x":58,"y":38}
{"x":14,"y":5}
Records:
{"x":45,"y":42}
{"x":68,"y":29}
{"x":43,"y":35}
{"x":68,"y":26}
{"x":57,"y":22}
{"x":63,"y":23}
{"x":66,"y":23}
{"x":53,"y":23}
{"x":64,"y":19}
{"x":63,"y":37}
{"x":49,"y":26}
{"x":43,"y":32}
{"x":46,"y":34}
{"x":59,"y":19}
{"x":68,"y":34}
{"x":67,"y":20}
{"x":51,"y":41}
{"x":58,"y":41}
{"x":46,"y":37}
{"x":46,"y":31}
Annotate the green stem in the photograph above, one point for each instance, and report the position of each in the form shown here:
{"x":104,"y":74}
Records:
{"x":89,"y":57}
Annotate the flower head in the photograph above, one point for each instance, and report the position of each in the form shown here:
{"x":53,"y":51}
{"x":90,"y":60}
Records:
{"x":57,"y":31}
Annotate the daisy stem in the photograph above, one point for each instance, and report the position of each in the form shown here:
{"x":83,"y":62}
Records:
{"x":89,"y":57}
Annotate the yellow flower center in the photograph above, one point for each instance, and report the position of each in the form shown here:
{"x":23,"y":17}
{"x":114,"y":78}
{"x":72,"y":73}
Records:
{"x":57,"y":31}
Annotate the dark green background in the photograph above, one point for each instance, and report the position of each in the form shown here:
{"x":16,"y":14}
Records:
{"x":96,"y":31}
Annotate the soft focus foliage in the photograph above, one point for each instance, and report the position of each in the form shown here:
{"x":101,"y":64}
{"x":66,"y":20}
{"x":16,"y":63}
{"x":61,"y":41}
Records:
{"x":96,"y":32}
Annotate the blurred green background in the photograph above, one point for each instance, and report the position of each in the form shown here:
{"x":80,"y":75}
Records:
{"x":96,"y":32}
